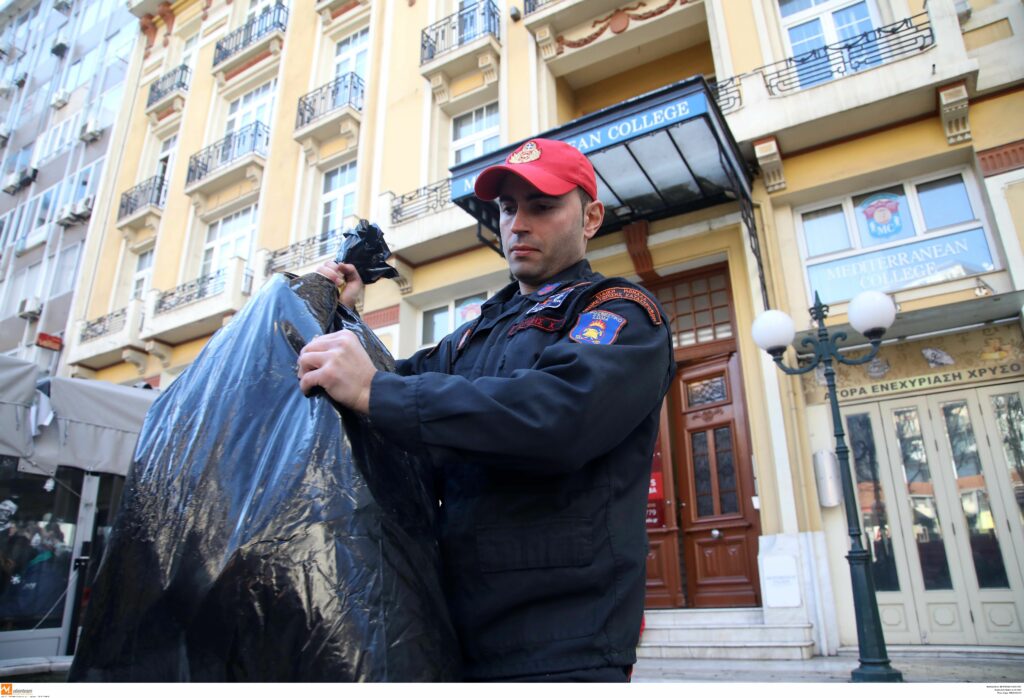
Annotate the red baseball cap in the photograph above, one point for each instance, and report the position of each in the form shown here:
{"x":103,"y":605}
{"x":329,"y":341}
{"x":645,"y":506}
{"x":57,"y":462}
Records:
{"x":554,"y":167}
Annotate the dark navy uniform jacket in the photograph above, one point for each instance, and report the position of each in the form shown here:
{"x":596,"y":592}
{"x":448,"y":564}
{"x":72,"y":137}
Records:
{"x":541,"y":416}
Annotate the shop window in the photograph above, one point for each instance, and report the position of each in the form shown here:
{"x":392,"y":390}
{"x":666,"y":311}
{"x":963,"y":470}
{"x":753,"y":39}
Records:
{"x":38,"y":516}
{"x":907,"y":234}
{"x":441,"y":321}
{"x":475,"y":133}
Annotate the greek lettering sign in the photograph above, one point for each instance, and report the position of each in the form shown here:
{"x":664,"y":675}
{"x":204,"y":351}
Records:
{"x":621,"y":130}
{"x":927,"y":261}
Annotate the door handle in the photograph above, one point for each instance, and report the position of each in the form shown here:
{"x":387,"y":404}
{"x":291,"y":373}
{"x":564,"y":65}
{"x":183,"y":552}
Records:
{"x":715,"y":533}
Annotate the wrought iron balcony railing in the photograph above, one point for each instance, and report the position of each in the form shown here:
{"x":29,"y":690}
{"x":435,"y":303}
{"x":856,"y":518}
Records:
{"x":534,"y":5}
{"x":424,"y":200}
{"x":271,"y":19}
{"x":345,"y":90}
{"x":303,"y":252}
{"x":173,"y":81}
{"x":727,"y":94}
{"x":103,"y":326}
{"x":195,"y":290}
{"x":151,"y":192}
{"x":252,"y":138}
{"x":868,"y":50}
{"x":458,"y":29}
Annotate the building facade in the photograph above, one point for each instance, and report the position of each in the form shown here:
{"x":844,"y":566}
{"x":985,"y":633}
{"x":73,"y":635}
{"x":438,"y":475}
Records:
{"x":750,"y":154}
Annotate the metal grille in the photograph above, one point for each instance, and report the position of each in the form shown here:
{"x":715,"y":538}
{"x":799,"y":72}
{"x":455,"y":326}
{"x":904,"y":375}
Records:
{"x":196,"y":290}
{"x":534,"y":5}
{"x":424,"y":200}
{"x":102,"y":326}
{"x":305,"y":251}
{"x":151,"y":192}
{"x":872,"y":48}
{"x":271,"y":19}
{"x":177,"y":79}
{"x":458,"y":29}
{"x":252,"y":138}
{"x":700,"y":308}
{"x":727,"y":94}
{"x":345,"y":90}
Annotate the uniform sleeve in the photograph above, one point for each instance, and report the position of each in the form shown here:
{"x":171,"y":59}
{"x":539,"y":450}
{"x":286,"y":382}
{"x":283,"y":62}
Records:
{"x":576,"y":402}
{"x":423,"y":361}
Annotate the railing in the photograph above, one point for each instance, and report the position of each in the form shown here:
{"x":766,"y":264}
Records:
{"x":458,"y":29}
{"x":173,"y":81}
{"x":195,"y":290}
{"x":151,"y":192}
{"x":727,"y":94}
{"x":343,"y":91}
{"x":102,"y":326}
{"x":534,"y":5}
{"x":271,"y":19}
{"x":252,"y":138}
{"x":424,"y":200}
{"x":870,"y":49}
{"x":305,"y":251}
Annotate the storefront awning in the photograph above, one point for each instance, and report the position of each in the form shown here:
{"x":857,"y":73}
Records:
{"x":657,"y":155}
{"x":90,"y":425}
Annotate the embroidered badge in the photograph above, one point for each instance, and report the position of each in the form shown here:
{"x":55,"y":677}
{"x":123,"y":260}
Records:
{"x":546,"y":289}
{"x":629,"y":294}
{"x":553,"y":302}
{"x":527,"y":152}
{"x":464,"y":338}
{"x":597,"y":327}
{"x":547,"y":324}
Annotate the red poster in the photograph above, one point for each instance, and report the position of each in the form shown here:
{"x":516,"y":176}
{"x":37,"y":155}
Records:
{"x":655,"y":515}
{"x":655,"y":491}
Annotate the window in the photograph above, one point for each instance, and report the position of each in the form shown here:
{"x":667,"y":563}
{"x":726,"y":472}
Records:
{"x":84,"y":183}
{"x":231,"y":236}
{"x":350,"y":54}
{"x":256,"y":105}
{"x":143,"y":274}
{"x":166,"y":157}
{"x":47,"y":205}
{"x":23,"y":285}
{"x":188,"y":51}
{"x":475,"y":133}
{"x":67,"y":267}
{"x":439,"y":322}
{"x":910,"y":233}
{"x":339,"y":197}
{"x":812,"y":24}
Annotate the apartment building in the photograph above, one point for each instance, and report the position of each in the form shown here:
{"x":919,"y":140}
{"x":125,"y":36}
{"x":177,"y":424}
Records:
{"x":750,"y":153}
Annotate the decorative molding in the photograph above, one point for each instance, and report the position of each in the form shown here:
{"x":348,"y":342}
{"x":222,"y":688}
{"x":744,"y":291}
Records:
{"x":488,"y":65}
{"x":439,"y":86}
{"x":159,"y":350}
{"x":618,"y":22}
{"x":136,"y":358}
{"x":167,"y":15}
{"x":708,"y":415}
{"x":147,"y":25}
{"x":546,"y":42}
{"x":953,"y":106}
{"x":1002,"y":158}
{"x":769,"y":159}
{"x":636,"y":245}
{"x":79,"y":371}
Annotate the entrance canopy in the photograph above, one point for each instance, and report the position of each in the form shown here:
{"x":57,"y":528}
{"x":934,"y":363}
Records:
{"x":84,"y":424}
{"x":657,"y":155}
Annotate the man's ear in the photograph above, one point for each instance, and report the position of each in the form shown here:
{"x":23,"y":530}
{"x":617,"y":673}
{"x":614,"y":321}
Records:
{"x":593,"y":217}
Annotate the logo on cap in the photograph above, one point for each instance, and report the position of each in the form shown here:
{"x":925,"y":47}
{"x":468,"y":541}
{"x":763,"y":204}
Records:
{"x":528,"y":152}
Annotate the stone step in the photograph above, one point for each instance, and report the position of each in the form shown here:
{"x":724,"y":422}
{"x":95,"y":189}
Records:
{"x":727,"y":650}
{"x":727,"y":633}
{"x":688,"y":617}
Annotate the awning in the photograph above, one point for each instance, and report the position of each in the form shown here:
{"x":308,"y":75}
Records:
{"x":658,"y":155}
{"x":84,"y":424}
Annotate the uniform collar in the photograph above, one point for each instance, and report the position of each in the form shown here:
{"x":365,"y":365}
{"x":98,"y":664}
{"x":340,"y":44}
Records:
{"x":579,"y":270}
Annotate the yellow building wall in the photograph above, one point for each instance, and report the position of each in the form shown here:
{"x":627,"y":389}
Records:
{"x":744,"y":42}
{"x":997,"y":121}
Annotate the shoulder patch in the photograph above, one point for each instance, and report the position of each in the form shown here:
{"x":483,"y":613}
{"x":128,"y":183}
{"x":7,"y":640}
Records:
{"x":548,"y":324}
{"x":597,"y":327}
{"x":629,"y":294}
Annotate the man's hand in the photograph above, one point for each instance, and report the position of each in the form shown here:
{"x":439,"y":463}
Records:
{"x":338,"y":363}
{"x":346,"y":276}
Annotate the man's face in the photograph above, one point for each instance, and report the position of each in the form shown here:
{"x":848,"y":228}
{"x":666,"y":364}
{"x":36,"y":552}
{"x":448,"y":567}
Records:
{"x":541,"y":234}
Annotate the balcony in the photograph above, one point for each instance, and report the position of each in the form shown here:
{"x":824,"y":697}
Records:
{"x":197,"y":308}
{"x":459,"y":44}
{"x":331,"y":111}
{"x":883,"y":76}
{"x":425,"y":224}
{"x":101,"y":342}
{"x":298,"y":256}
{"x":167,"y":94}
{"x":259,"y":38}
{"x":141,"y":207}
{"x":330,"y":10}
{"x":238,"y":156}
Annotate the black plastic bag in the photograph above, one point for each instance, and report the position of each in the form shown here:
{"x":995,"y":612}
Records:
{"x":267,"y":536}
{"x":364,"y":247}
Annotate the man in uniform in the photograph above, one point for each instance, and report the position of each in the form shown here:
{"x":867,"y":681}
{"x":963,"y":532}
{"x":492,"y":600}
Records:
{"x":540,"y":416}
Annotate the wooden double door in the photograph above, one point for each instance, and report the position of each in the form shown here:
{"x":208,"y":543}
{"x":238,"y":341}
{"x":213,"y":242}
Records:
{"x":703,"y":525}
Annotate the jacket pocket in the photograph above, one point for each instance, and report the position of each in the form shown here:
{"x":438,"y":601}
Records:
{"x":562,"y":542}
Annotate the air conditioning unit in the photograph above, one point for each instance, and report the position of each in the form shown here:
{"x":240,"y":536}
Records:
{"x":6,"y":87}
{"x":5,"y":134}
{"x":12,"y":183}
{"x":30,"y":308}
{"x":91,"y":131}
{"x":27,"y":175}
{"x":66,"y":215}
{"x":60,"y":45}
{"x":60,"y":98}
{"x":20,"y":79}
{"x":83,"y":209}
{"x":6,"y":49}
{"x":62,"y":5}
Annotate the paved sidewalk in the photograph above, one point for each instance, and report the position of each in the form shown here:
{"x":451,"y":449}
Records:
{"x":950,"y":669}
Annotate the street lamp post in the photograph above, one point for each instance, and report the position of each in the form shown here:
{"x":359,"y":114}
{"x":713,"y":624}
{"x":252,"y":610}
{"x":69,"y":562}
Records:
{"x":871,"y":313}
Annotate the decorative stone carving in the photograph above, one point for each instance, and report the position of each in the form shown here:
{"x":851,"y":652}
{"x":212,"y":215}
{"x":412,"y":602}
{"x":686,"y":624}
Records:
{"x":161,"y":351}
{"x":953,"y":105}
{"x":167,"y":15}
{"x":439,"y":86}
{"x":136,"y":358}
{"x":546,"y":42}
{"x":769,"y":158}
{"x":488,"y":64}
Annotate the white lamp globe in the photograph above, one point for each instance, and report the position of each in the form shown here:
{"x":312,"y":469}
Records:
{"x":773,"y":330}
{"x":871,"y":313}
